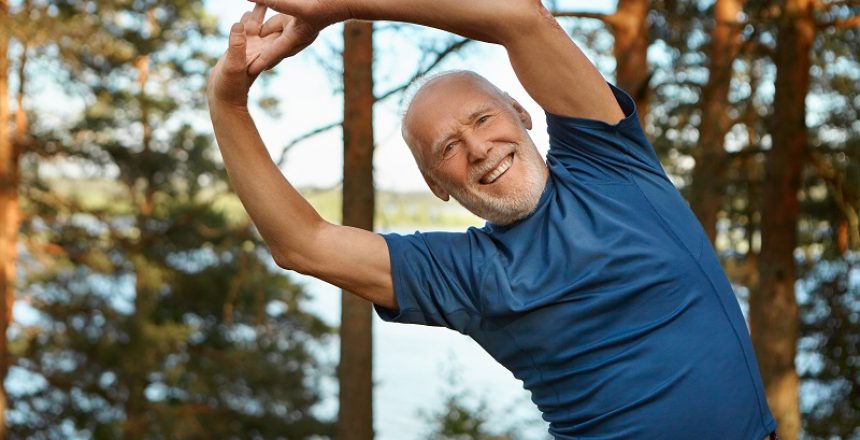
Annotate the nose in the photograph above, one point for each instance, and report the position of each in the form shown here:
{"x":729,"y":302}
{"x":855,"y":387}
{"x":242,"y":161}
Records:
{"x":478,"y":149}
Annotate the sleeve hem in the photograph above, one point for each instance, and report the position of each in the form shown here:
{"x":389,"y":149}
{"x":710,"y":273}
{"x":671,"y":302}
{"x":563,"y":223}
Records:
{"x":403,"y":306}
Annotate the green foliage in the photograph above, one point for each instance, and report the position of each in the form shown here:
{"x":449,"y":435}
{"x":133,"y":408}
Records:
{"x":462,"y":416}
{"x":155,"y":310}
{"x":830,"y":349}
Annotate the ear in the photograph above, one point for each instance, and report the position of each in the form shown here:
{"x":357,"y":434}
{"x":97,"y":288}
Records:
{"x":437,"y":190}
{"x":524,"y":115}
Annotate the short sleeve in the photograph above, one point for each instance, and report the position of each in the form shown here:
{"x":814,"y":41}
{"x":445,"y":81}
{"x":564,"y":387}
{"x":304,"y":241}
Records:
{"x":434,"y":279}
{"x":596,"y":151}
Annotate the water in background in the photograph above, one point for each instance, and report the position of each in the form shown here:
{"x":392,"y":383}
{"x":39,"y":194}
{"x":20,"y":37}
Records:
{"x":412,"y":365}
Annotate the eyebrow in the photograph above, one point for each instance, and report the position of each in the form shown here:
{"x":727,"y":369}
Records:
{"x":469,"y":120}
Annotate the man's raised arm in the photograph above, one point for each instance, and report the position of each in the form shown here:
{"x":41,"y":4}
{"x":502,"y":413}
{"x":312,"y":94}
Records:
{"x":297,"y":236}
{"x":557,"y":75}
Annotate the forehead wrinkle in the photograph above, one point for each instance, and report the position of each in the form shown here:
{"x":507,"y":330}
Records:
{"x":481,"y":109}
{"x":460,"y":125}
{"x":492,"y":97}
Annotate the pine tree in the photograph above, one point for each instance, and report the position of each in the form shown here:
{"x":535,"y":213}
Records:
{"x":160,"y":314}
{"x":355,"y":372}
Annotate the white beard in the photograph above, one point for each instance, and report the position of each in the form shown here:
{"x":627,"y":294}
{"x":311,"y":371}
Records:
{"x":516,"y":204}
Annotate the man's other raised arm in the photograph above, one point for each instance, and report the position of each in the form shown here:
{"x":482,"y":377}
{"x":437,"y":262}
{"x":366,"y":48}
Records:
{"x":297,"y":236}
{"x":553,"y":70}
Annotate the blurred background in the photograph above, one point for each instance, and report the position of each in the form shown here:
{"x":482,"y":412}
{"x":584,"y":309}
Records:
{"x":139,"y":301}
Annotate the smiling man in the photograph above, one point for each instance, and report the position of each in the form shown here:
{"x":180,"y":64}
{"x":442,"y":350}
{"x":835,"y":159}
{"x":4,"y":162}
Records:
{"x":470,"y":141}
{"x":591,"y":282}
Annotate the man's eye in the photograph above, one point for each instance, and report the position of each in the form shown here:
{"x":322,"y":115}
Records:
{"x":483,"y":119}
{"x":448,"y":148}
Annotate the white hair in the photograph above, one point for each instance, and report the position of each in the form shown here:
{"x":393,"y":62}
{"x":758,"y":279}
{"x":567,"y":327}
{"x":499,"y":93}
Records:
{"x":412,"y":91}
{"x":419,"y":83}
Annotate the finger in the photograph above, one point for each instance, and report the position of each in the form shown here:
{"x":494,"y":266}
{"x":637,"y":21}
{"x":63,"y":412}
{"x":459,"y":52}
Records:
{"x":234,"y":60}
{"x":255,"y":20}
{"x":284,"y":46}
{"x":291,"y":7}
{"x":278,"y":48}
{"x":274,"y":24}
{"x":259,"y":13}
{"x":245,"y":17}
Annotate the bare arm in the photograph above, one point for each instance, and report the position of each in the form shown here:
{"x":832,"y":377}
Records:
{"x":297,"y":236}
{"x":557,"y":75}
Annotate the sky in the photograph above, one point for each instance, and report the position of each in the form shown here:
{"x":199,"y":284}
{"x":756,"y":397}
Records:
{"x":305,"y":89}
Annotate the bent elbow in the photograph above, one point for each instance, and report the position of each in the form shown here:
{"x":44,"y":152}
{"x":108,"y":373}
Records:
{"x":291,"y":261}
{"x":525,"y":16}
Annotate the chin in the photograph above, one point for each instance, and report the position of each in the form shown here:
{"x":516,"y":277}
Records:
{"x":507,"y":209}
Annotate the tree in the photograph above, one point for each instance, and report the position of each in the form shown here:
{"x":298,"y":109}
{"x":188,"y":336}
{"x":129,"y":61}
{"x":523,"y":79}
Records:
{"x":709,"y":175}
{"x":355,"y":372}
{"x":773,"y":304}
{"x":630,"y":28}
{"x":460,"y":417}
{"x":8,"y":211}
{"x":160,"y":312}
{"x":12,"y":146}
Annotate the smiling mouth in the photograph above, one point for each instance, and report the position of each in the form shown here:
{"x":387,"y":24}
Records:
{"x":500,"y":169}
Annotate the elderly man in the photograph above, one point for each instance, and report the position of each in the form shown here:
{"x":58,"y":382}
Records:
{"x":592,"y":282}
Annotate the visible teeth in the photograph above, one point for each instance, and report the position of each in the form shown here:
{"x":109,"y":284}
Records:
{"x":490,"y":178}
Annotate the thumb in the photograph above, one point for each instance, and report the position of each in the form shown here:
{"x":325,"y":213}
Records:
{"x":235,"y":58}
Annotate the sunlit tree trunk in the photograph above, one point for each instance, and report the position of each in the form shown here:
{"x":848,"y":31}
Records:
{"x":630,"y":29}
{"x":9,"y":211}
{"x":629,"y":26}
{"x":773,"y":307}
{"x":709,"y":176}
{"x":355,"y":419}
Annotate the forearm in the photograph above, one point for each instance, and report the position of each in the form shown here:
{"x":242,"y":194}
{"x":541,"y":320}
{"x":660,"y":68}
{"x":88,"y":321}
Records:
{"x":286,"y":221}
{"x":545,"y":59}
{"x":491,"y":21}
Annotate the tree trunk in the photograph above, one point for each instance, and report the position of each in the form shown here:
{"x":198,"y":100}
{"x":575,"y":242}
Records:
{"x":9,"y":214}
{"x":773,"y":307}
{"x":355,"y":420}
{"x":629,"y":25}
{"x":709,"y":176}
{"x":630,"y":29}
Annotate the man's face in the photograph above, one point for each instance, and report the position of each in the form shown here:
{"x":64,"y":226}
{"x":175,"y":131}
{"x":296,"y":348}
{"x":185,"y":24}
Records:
{"x":474,"y":145}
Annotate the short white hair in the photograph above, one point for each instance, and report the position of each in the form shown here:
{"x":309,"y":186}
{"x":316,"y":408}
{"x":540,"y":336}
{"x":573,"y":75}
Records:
{"x":419,"y":83}
{"x":409,"y":95}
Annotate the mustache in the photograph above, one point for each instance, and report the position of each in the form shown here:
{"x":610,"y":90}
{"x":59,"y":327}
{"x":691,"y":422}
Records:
{"x":492,"y":161}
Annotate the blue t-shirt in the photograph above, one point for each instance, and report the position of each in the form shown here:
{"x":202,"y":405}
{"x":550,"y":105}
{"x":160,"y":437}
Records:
{"x":608,"y":301}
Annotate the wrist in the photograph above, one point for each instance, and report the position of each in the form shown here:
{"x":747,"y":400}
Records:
{"x":218,"y":106}
{"x":341,"y":10}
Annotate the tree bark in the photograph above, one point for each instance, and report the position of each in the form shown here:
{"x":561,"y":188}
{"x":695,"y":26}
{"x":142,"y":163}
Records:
{"x":773,"y":307}
{"x":355,"y":372}
{"x":629,"y":26}
{"x":9,"y":214}
{"x":630,"y":29}
{"x":709,"y":176}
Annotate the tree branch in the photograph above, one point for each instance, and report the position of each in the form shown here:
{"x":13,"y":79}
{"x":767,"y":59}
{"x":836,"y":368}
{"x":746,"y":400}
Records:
{"x":606,"y":18}
{"x":437,"y":59}
{"x":317,"y":131}
{"x":841,"y":195}
{"x":440,"y":56}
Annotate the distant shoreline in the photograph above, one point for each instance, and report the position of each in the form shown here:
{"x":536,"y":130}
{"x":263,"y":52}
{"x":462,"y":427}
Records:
{"x":394,"y":210}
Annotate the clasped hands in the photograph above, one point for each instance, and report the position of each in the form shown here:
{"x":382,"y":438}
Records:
{"x":255,"y":46}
